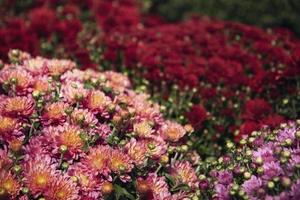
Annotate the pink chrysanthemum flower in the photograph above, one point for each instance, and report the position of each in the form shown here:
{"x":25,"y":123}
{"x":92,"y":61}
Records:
{"x":137,"y":151}
{"x":42,"y":85}
{"x":120,"y":162}
{"x":38,"y":174}
{"x":97,"y":160}
{"x":74,"y":75}
{"x":61,"y":188}
{"x":66,"y":136}
{"x":88,"y":182}
{"x":9,"y":186}
{"x":5,"y":161}
{"x":54,"y":113}
{"x":156,"y":147}
{"x":117,"y":81}
{"x":17,"y":106}
{"x":97,"y":101}
{"x":143,"y":129}
{"x":74,"y":92}
{"x":58,"y":67}
{"x":83,"y":117}
{"x":183,"y":172}
{"x":36,"y":66}
{"x":8,"y":126}
{"x":18,"y":77}
{"x":172,"y":131}
{"x":159,"y":187}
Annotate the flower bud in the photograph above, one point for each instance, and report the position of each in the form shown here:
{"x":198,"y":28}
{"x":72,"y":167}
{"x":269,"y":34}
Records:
{"x":286,"y":182}
{"x":271,"y":184}
{"x":247,"y":175}
{"x":36,"y":94}
{"x":298,"y":134}
{"x":164,"y":159}
{"x":63,"y":148}
{"x":260,"y":170}
{"x":184,"y":148}
{"x":25,"y":190}
{"x":259,"y":160}
{"x":65,"y":165}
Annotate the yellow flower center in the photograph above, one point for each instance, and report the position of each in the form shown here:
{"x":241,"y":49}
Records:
{"x":143,"y":128}
{"x":7,"y":124}
{"x":71,"y":139}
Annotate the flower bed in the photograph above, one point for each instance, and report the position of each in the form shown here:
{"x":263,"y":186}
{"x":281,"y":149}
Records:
{"x":72,"y":134}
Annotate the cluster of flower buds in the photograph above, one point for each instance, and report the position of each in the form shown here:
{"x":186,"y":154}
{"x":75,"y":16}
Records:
{"x":71,"y":134}
{"x":266,"y":165}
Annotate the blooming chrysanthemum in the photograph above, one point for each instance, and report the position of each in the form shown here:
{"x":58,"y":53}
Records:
{"x":58,"y":67}
{"x":83,"y":117}
{"x":61,"y":188}
{"x":38,"y":174}
{"x":252,"y":185}
{"x":16,"y":77}
{"x":119,"y":162}
{"x":172,"y":131}
{"x":8,"y":125}
{"x":17,"y":106}
{"x":156,"y":147}
{"x":117,"y":81}
{"x":97,"y":160}
{"x":54,"y":113}
{"x":184,"y":173}
{"x":42,"y":85}
{"x":88,"y":182}
{"x":74,"y":92}
{"x":36,"y":66}
{"x":159,"y":187}
{"x":5,"y":162}
{"x":143,"y":129}
{"x":97,"y":101}
{"x":66,"y":136}
{"x":9,"y":186}
{"x":137,"y":151}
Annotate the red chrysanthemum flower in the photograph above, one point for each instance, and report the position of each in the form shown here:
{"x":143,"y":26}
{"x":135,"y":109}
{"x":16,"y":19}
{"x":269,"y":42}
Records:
{"x":120,"y":162}
{"x":17,"y":106}
{"x":38,"y":174}
{"x":61,"y":188}
{"x":97,"y":160}
{"x":97,"y":101}
{"x":9,"y":186}
{"x":8,"y":125}
{"x":18,"y":78}
{"x":83,"y":117}
{"x":183,"y":172}
{"x":66,"y":136}
{"x":54,"y":113}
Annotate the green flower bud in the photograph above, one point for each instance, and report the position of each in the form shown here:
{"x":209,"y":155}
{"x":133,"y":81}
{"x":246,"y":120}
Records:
{"x":247,"y":175}
{"x":65,"y":165}
{"x":184,"y":148}
{"x":63,"y":148}
{"x":271,"y":184}
{"x":259,"y":160}
{"x":260,"y":170}
{"x":25,"y":190}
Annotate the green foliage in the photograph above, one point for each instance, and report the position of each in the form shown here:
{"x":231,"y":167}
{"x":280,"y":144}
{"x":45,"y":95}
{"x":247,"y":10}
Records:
{"x":265,"y":13}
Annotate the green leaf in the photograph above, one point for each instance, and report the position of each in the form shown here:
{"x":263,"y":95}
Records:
{"x":170,"y":179}
{"x":122,"y":192}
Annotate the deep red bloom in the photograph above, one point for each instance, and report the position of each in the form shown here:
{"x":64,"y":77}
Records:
{"x":197,"y":115}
